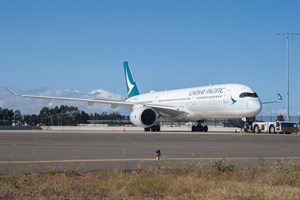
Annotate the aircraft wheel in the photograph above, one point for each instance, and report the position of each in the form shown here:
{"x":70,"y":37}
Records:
{"x":205,"y":128}
{"x":153,"y":128}
{"x":200,"y":128}
{"x":194,"y":128}
{"x":158,"y":128}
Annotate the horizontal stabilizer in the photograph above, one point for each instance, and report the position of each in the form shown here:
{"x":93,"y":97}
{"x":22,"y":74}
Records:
{"x":279,"y":99}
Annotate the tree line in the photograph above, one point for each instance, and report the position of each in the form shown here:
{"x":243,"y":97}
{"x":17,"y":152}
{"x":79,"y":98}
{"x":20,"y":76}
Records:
{"x":57,"y":116}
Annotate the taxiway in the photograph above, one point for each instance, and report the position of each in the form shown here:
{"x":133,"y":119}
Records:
{"x":41,"y":150}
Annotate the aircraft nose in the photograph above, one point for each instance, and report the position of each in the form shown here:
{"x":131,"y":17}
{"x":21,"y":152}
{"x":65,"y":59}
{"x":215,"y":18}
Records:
{"x":254,"y":106}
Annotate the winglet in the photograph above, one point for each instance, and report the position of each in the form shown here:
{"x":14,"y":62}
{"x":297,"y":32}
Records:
{"x":13,"y":93}
{"x":132,"y":89}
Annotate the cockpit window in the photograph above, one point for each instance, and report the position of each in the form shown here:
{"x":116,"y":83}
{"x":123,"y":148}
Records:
{"x":248,"y":94}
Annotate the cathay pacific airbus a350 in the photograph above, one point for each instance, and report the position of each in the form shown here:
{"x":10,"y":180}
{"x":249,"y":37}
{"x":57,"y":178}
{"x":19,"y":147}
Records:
{"x":230,"y":101}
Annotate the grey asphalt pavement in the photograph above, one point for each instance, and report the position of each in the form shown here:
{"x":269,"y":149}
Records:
{"x":42,"y":150}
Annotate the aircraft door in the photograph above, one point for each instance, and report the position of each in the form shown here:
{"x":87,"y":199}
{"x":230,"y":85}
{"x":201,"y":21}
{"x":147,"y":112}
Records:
{"x":155,"y":99}
{"x":226,"y":96}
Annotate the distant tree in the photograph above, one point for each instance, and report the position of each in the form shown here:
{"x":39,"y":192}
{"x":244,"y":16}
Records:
{"x":84,"y":117}
{"x":17,"y":118}
{"x":6,"y":117}
{"x":57,"y":116}
{"x":280,"y":117}
{"x":45,"y":116}
{"x":31,"y":120}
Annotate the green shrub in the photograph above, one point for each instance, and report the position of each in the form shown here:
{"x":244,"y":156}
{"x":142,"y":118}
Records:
{"x":224,"y":166}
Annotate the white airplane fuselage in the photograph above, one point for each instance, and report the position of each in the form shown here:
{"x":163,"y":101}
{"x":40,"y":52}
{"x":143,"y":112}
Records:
{"x":214,"y":101}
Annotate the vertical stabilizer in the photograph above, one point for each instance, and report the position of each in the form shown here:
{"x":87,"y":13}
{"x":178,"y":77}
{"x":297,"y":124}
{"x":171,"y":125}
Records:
{"x":132,"y":89}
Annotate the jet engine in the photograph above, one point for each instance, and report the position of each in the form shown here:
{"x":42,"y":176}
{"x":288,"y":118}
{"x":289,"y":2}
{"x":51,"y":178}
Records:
{"x":143,"y":117}
{"x":240,"y":123}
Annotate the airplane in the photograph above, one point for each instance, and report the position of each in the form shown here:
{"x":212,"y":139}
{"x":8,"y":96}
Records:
{"x":237,"y":102}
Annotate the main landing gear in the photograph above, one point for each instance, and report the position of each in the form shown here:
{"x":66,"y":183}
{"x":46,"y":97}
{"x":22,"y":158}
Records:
{"x":155,"y":128}
{"x":199,"y":127}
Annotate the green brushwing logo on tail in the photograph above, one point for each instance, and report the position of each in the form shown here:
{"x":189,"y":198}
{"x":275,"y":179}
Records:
{"x":132,"y":89}
{"x":279,"y":97}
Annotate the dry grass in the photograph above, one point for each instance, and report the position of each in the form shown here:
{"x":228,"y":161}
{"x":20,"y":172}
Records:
{"x":220,"y":180}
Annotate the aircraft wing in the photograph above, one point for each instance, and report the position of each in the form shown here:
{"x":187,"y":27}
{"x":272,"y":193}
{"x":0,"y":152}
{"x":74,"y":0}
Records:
{"x":167,"y":111}
{"x":163,"y":110}
{"x":113,"y":103}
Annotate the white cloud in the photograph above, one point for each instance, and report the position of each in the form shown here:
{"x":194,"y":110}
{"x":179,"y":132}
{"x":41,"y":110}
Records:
{"x":33,"y":106}
{"x":279,"y":111}
{"x":103,"y":94}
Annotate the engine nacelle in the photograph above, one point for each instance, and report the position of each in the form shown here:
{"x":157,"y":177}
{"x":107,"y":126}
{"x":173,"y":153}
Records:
{"x":143,"y":117}
{"x":240,"y":123}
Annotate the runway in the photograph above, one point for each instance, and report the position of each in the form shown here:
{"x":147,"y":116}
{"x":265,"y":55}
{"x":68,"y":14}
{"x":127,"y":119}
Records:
{"x":41,"y":150}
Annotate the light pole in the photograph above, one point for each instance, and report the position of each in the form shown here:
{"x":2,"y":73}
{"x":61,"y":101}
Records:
{"x":287,"y":34}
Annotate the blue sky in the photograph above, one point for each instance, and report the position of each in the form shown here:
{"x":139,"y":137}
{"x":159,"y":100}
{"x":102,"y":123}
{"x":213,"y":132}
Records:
{"x":80,"y":45}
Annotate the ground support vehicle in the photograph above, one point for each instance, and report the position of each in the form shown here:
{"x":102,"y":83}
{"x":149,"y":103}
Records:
{"x":275,"y":127}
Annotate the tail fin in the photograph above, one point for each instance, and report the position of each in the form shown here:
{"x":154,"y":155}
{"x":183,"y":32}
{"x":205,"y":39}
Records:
{"x":279,"y":97}
{"x":132,"y":89}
